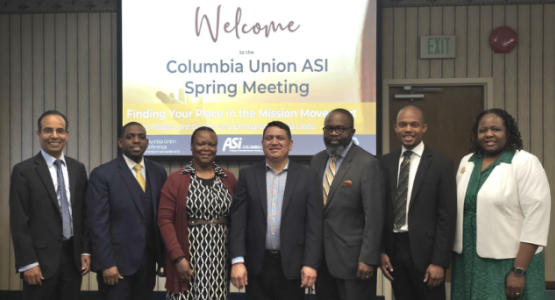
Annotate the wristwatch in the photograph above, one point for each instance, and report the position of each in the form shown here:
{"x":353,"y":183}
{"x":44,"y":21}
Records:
{"x":519,"y":272}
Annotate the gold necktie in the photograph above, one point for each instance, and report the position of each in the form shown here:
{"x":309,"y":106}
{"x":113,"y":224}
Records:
{"x":140,"y":177}
{"x":330,"y":173}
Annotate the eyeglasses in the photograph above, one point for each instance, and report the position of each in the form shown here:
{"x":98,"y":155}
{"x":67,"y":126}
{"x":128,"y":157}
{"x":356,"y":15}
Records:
{"x":338,"y":129}
{"x":59,"y":131}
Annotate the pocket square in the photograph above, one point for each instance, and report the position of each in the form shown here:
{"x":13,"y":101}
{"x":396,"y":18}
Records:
{"x":347,"y":183}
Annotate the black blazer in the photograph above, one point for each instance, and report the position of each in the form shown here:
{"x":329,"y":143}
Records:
{"x":432,"y":210}
{"x":301,"y":219}
{"x":117,"y":219}
{"x":35,"y":218}
{"x":354,"y":212}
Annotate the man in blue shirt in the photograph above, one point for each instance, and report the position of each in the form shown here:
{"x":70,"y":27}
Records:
{"x":276,"y":223}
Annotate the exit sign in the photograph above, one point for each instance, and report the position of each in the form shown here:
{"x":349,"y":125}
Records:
{"x":441,"y":46}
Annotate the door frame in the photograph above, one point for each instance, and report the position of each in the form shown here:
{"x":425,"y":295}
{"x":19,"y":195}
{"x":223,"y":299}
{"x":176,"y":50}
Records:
{"x":486,"y":83}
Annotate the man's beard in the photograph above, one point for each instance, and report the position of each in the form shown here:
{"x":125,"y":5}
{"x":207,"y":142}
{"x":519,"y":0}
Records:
{"x":334,"y":150}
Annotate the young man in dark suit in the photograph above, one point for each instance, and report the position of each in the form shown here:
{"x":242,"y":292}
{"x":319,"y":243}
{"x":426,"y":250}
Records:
{"x":122,"y":206}
{"x":421,"y":212}
{"x":354,"y":210}
{"x":47,"y":216}
{"x":276,"y":223}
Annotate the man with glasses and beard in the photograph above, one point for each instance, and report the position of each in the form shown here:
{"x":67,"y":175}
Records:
{"x":354,"y":211}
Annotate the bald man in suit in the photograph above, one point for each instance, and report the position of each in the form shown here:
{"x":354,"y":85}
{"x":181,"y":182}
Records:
{"x":421,"y":212}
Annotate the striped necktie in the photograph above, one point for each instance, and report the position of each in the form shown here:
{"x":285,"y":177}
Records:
{"x":330,"y":173}
{"x":140,"y":177}
{"x":400,"y":204}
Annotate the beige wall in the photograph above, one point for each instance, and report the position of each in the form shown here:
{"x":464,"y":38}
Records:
{"x":68,"y":62}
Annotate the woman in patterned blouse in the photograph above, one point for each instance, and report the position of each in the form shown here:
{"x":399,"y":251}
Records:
{"x":194,"y":207}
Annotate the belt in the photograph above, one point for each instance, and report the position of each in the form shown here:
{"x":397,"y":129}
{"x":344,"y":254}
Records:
{"x":273,"y":253}
{"x":68,"y":243}
{"x":198,"y":222}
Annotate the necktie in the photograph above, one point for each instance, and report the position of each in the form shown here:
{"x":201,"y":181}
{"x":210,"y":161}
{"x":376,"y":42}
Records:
{"x":330,"y":173}
{"x":140,"y":177}
{"x":400,"y":204}
{"x":64,"y":205}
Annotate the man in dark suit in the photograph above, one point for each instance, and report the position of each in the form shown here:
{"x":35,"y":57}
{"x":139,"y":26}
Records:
{"x":47,"y":215}
{"x":122,"y":205}
{"x":276,"y":223}
{"x":354,"y":209}
{"x":421,"y":212}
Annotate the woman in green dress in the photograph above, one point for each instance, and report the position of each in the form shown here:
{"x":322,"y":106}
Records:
{"x":503,"y":215}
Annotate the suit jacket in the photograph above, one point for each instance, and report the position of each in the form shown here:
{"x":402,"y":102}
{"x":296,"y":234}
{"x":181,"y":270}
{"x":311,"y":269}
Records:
{"x":115,"y":208}
{"x":301,"y":219}
{"x":432,"y":210}
{"x":35,"y":217}
{"x":513,"y":206}
{"x":354,"y":212}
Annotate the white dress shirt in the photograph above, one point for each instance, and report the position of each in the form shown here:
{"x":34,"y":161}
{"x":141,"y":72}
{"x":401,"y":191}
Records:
{"x":414,"y":163}
{"x":131,"y":164}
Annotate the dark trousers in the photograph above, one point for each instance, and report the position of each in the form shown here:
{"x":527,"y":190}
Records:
{"x":271,"y":283}
{"x":64,"y":285}
{"x":138,"y":286}
{"x":331,"y":288}
{"x":408,"y":283}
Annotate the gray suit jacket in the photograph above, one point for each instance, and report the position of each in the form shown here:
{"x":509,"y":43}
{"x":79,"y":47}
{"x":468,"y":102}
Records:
{"x":354,"y":213}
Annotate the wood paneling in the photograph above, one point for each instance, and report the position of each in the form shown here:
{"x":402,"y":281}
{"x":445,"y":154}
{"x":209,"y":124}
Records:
{"x":387,"y":43}
{"x":411,"y":42}
{"x":546,"y":135}
{"x":499,"y":61}
{"x":449,"y":19}
{"x":473,"y":42}
{"x":461,"y":33}
{"x":511,"y":69}
{"x":6,"y":262}
{"x":523,"y":74}
{"x":423,"y":29}
{"x":523,"y":79}
{"x":535,"y":80}
{"x":436,"y":28}
{"x":399,"y":50}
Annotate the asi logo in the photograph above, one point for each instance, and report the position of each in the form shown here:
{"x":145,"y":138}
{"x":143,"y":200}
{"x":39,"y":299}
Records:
{"x":232,"y":143}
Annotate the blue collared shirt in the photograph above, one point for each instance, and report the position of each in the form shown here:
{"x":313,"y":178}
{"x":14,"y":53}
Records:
{"x":275,"y":186}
